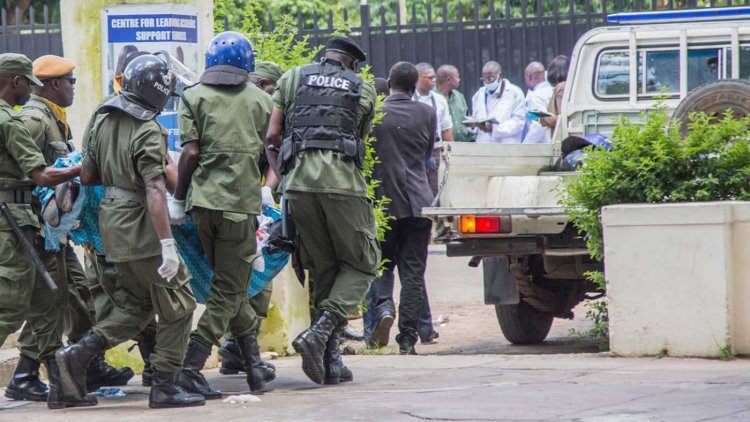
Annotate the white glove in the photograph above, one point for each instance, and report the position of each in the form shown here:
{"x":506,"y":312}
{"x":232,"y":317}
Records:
{"x":170,"y":262}
{"x":266,"y":196}
{"x":176,"y":210}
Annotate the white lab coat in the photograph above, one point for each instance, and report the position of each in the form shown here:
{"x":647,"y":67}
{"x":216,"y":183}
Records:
{"x":507,"y":108}
{"x":538,"y":99}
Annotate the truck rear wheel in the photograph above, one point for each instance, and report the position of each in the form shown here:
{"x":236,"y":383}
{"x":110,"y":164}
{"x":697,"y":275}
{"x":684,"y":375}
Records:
{"x":714,"y":98}
{"x":522,"y":324}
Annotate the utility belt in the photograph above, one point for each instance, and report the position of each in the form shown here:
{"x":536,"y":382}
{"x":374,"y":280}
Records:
{"x":113,"y":192}
{"x":351,"y":149}
{"x":17,"y":196}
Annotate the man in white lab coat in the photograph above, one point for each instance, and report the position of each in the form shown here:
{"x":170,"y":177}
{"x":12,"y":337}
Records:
{"x":537,"y":98}
{"x":504,"y":102}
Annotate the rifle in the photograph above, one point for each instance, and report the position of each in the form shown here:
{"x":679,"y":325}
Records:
{"x":28,"y":248}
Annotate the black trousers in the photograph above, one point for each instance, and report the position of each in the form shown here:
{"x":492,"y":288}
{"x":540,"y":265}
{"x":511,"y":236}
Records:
{"x":405,"y":247}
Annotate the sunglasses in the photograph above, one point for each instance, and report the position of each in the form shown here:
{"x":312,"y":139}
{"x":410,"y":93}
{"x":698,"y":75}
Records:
{"x":71,"y":80}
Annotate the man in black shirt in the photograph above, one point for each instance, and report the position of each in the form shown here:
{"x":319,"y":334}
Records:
{"x":405,"y":139}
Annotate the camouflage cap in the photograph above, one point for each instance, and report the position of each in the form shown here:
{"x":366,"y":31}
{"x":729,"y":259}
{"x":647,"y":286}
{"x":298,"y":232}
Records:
{"x":18,"y":64}
{"x":268,"y":70}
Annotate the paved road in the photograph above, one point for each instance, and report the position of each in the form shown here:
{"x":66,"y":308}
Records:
{"x":471,"y":374}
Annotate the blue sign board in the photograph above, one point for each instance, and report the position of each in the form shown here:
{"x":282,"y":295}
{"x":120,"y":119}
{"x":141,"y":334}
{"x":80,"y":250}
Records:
{"x":152,"y":28}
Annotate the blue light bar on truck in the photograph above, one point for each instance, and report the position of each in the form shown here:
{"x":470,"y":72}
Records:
{"x":723,"y":13}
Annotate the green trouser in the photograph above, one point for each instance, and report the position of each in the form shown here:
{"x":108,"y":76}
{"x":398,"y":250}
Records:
{"x":139,"y":294}
{"x":102,"y":281}
{"x":260,"y":303}
{"x":338,"y":243}
{"x":24,"y":296}
{"x":228,"y":240}
{"x":78,"y":316}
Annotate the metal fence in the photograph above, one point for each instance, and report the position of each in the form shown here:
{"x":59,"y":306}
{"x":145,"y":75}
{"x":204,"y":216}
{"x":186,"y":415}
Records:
{"x":514,"y":36}
{"x":32,"y":39}
{"x":521,"y":32}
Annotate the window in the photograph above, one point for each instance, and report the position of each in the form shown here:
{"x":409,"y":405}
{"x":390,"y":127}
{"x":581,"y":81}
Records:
{"x":661,"y":74}
{"x":612,"y":76}
{"x":745,"y":62}
{"x":704,"y":66}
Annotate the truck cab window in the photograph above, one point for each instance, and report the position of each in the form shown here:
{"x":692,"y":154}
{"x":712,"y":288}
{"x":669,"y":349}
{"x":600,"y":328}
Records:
{"x":612,"y":77}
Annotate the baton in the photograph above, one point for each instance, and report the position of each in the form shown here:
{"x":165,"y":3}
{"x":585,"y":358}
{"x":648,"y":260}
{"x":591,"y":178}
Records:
{"x":30,"y":251}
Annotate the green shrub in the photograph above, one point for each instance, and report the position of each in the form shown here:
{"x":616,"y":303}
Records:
{"x":653,"y":163}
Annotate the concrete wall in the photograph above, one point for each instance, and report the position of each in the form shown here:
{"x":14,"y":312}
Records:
{"x":677,"y":278}
{"x":81,"y":36}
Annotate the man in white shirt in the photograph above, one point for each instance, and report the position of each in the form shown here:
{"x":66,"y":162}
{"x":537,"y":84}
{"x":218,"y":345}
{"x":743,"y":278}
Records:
{"x":537,"y":98}
{"x":425,"y":93}
{"x":503,"y":101}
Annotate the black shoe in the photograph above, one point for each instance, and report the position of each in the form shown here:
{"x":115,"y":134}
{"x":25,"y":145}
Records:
{"x":190,"y":377}
{"x":146,"y":340}
{"x":406,"y":344}
{"x":58,"y":397}
{"x":256,"y":372}
{"x":382,"y":332}
{"x":24,"y":384}
{"x":350,"y":334}
{"x":336,"y":371}
{"x":429,"y":338}
{"x":100,"y":374}
{"x":311,"y":345}
{"x":74,"y":361}
{"x":167,"y":393}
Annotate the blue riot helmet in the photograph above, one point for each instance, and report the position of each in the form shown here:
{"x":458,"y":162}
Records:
{"x":571,"y":161}
{"x":231,"y":49}
{"x":597,"y":140}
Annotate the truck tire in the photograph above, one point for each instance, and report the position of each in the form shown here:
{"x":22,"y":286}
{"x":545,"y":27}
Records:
{"x":714,"y":98}
{"x":522,"y":324}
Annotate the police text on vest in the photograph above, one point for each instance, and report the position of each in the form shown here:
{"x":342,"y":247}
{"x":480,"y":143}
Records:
{"x":328,"y":82}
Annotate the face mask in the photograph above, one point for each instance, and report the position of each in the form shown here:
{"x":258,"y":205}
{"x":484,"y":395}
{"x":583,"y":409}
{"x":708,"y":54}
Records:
{"x":493,"y":86}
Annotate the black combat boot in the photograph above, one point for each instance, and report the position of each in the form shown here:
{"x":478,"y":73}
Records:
{"x":165,"y":392}
{"x":336,"y":371}
{"x":74,"y":361}
{"x":256,"y":374}
{"x":24,"y":384}
{"x":231,"y":361}
{"x":146,"y":345}
{"x":58,"y":397}
{"x":311,"y":345}
{"x":190,"y":377}
{"x":100,"y":374}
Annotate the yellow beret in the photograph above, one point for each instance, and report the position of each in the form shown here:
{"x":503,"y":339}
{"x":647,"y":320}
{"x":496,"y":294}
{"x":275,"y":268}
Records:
{"x":50,"y":66}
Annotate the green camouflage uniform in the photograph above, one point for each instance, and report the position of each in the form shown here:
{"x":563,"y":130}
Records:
{"x":23,"y":294}
{"x":229,"y":123}
{"x":329,"y":204}
{"x":126,"y":153}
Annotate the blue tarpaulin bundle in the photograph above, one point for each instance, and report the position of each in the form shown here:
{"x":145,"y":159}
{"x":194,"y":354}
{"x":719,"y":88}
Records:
{"x":53,"y":235}
{"x":188,"y":245}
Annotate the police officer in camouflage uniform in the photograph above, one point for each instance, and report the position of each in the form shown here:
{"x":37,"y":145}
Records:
{"x":222,"y":123}
{"x":265,"y":76}
{"x":324,"y":111}
{"x":23,"y":294}
{"x":44,"y":115}
{"x":126,"y":152}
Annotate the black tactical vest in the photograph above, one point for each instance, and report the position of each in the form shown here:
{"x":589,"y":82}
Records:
{"x":325,"y":110}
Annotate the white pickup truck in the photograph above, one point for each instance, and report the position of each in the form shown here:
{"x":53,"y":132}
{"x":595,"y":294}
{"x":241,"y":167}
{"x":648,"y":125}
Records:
{"x":498,"y":202}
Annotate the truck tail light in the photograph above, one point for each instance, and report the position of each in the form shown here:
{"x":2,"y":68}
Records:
{"x":471,"y":224}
